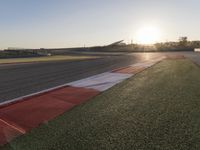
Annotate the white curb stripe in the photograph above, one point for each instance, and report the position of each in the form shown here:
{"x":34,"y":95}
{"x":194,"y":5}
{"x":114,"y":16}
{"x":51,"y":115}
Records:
{"x":101,"y":82}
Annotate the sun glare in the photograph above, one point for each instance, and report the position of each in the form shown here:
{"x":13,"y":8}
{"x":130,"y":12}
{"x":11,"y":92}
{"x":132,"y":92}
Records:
{"x":148,"y":35}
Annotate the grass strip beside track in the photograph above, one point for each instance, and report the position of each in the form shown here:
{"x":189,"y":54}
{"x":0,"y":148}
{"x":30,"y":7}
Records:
{"x":157,"y":109}
{"x":44,"y":59}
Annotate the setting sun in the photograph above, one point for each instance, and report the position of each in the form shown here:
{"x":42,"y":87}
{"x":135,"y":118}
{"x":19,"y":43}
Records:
{"x":148,"y":35}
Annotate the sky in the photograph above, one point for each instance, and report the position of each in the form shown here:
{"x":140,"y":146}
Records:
{"x":75,"y":23}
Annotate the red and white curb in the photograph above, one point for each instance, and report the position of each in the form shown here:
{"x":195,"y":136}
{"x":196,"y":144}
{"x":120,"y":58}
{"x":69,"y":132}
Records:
{"x":101,"y":82}
{"x":19,"y":116}
{"x":104,"y":81}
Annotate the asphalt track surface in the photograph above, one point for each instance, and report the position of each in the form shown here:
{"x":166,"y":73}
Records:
{"x":22,"y":79}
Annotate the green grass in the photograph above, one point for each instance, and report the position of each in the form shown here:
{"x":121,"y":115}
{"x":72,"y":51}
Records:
{"x":157,"y":109}
{"x":44,"y":59}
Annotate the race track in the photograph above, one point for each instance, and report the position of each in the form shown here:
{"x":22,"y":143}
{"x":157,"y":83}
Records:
{"x":22,"y":79}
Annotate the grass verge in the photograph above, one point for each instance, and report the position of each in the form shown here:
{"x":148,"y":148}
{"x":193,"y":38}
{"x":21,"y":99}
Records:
{"x":44,"y":59}
{"x":157,"y":109}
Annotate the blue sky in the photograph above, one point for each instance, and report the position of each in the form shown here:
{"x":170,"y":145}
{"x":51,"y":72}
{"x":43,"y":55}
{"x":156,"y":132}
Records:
{"x":70,"y":23}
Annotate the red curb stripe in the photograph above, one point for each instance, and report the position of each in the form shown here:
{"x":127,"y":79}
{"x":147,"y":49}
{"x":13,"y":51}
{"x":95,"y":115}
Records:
{"x":20,"y":130}
{"x":74,"y":95}
{"x":31,"y":96}
{"x":115,"y":70}
{"x":33,"y":111}
{"x":175,"y":57}
{"x":130,"y":70}
{"x":29,"y":114}
{"x":7,"y":133}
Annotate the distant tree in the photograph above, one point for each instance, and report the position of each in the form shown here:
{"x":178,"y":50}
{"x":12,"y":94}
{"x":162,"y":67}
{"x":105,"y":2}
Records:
{"x":195,"y":44}
{"x":183,"y":41}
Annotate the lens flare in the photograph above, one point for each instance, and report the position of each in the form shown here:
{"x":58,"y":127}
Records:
{"x":148,"y":35}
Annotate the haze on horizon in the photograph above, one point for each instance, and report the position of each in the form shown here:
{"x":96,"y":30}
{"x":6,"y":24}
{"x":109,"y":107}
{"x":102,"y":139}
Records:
{"x":73,"y":23}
